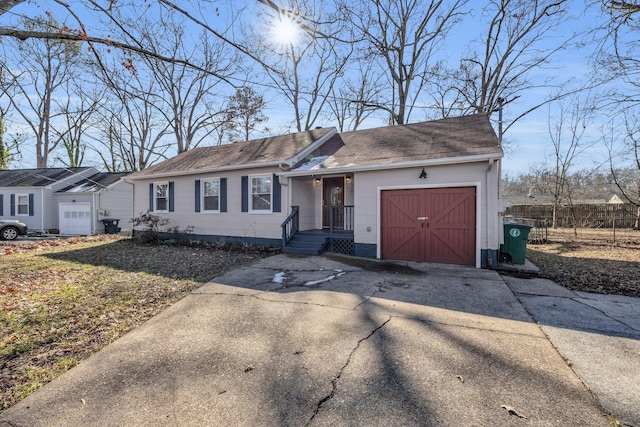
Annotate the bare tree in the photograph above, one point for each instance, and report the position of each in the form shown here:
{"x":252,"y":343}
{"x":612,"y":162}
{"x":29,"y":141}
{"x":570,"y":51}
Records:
{"x":41,"y":69}
{"x":350,"y":103}
{"x":187,"y":95}
{"x":76,"y":112}
{"x":402,"y":38}
{"x":304,"y":70}
{"x":567,"y":132}
{"x":624,"y":148}
{"x":107,"y":24}
{"x":520,"y":38}
{"x":617,"y":57}
{"x":131,"y":124}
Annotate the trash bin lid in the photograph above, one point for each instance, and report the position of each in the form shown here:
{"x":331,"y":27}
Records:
{"x":514,"y":224}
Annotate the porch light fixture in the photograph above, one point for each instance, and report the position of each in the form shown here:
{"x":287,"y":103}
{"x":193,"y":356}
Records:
{"x":318,"y":181}
{"x":423,"y":174}
{"x":347,"y":179}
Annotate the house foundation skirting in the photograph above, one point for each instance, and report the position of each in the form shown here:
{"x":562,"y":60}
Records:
{"x":366,"y":250}
{"x":488,"y":258}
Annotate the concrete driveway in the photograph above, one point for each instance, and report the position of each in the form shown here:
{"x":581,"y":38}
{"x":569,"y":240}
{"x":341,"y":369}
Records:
{"x":322,"y":341}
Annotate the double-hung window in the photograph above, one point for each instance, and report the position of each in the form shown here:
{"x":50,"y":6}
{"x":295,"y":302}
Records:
{"x":22,"y":204}
{"x":261,"y":192}
{"x":161,"y":197}
{"x":211,"y":195}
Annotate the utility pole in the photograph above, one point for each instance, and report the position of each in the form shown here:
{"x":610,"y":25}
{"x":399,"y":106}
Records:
{"x":500,"y":102}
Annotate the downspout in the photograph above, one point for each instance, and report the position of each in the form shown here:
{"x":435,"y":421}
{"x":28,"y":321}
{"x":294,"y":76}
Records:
{"x":491,"y":229}
{"x":42,"y":209}
{"x":94,"y":217}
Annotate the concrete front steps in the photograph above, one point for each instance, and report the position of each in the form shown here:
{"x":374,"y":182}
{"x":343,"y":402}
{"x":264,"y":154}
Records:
{"x":306,"y":244}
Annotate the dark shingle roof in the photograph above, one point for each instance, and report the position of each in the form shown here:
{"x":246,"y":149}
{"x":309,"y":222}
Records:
{"x":446,"y":138}
{"x":95,"y":182}
{"x":266,"y":150}
{"x":35,"y":177}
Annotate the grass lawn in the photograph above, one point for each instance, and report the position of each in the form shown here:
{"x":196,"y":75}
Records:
{"x":591,"y":260}
{"x":63,"y":300}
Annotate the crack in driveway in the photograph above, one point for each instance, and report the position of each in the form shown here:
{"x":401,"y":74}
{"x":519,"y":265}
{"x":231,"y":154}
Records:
{"x":334,"y":381}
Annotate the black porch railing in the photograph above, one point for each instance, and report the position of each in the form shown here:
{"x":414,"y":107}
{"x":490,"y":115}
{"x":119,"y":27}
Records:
{"x":290,"y":225}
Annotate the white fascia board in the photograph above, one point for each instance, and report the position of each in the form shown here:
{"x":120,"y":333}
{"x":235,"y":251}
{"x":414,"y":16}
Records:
{"x":205,"y":170}
{"x":311,"y":148}
{"x":78,"y":176}
{"x":399,"y":165}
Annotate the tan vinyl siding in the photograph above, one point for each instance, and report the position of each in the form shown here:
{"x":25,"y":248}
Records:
{"x":233,"y":223}
{"x":306,"y":194}
{"x":367,"y":186}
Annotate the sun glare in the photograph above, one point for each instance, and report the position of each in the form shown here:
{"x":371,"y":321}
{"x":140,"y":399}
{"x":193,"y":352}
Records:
{"x":285,"y":31}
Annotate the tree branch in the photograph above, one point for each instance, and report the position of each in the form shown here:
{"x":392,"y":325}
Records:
{"x":27,"y":34}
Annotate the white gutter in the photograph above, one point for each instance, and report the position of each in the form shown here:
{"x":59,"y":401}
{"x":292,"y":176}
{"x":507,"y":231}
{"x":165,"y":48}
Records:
{"x":399,"y":165}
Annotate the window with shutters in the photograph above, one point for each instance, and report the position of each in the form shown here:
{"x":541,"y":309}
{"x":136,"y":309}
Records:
{"x":211,"y":195}
{"x":22,"y":204}
{"x":261,"y":192}
{"x":161,"y":197}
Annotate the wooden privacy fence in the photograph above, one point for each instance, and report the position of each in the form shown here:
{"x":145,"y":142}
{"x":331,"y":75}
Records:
{"x":581,"y":216}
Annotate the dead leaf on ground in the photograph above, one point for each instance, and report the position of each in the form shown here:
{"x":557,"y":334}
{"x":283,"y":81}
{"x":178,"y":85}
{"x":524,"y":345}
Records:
{"x":511,"y":410}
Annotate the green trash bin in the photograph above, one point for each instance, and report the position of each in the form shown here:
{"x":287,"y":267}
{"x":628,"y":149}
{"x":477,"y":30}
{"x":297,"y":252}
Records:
{"x":514,"y":249}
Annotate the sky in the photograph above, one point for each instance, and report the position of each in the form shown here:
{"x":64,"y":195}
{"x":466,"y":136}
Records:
{"x":527,"y":142}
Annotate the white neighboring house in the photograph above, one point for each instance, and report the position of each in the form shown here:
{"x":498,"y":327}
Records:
{"x":83,"y":205}
{"x":64,"y":200}
{"x":424,"y":192}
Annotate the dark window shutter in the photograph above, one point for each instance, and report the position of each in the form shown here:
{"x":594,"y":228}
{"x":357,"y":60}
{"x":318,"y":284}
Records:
{"x":31,"y":210}
{"x":277,"y":194}
{"x":171,"y":205}
{"x":13,"y":205}
{"x":1,"y":204}
{"x":197,"y":195}
{"x":223,"y":194}
{"x":151,"y":197}
{"x":245,"y":194}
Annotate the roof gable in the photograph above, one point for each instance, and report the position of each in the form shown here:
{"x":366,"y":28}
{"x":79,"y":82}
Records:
{"x":439,"y":139}
{"x":36,"y":177}
{"x":95,"y":183}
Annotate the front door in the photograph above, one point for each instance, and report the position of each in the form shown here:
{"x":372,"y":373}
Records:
{"x":332,"y":195}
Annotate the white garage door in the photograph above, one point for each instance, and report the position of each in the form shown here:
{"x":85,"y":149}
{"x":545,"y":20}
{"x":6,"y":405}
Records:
{"x":75,"y":218}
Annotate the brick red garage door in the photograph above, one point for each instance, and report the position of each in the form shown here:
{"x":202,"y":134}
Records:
{"x":433,"y":225}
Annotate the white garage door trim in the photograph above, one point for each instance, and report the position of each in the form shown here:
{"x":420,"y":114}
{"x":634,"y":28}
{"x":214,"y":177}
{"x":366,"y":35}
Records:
{"x":75,"y":218}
